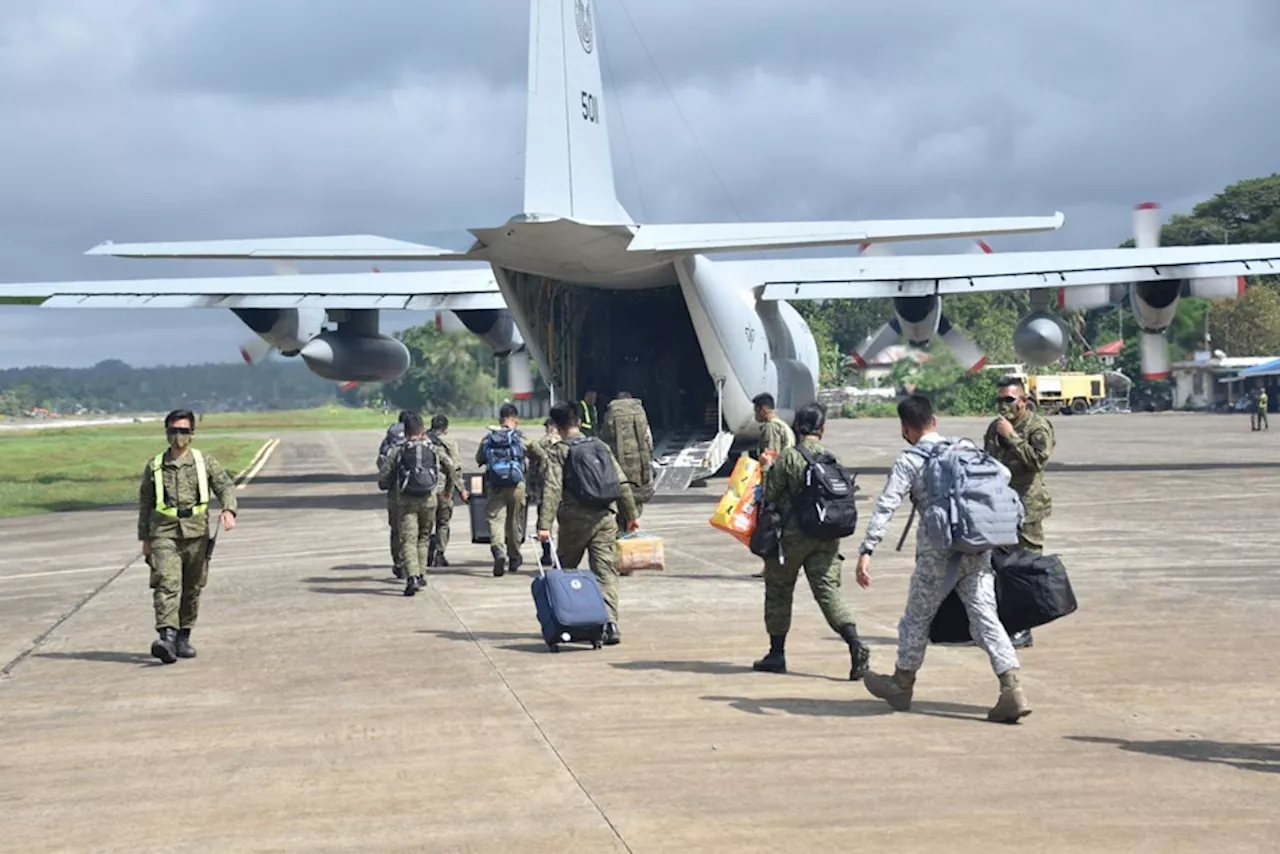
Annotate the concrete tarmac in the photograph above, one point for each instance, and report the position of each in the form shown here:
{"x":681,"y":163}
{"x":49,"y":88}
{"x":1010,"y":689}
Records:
{"x":326,"y":712}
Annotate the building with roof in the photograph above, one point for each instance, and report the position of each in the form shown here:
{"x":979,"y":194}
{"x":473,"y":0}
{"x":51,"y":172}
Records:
{"x":1107,"y":353}
{"x":1215,"y":380}
{"x":1265,"y":375}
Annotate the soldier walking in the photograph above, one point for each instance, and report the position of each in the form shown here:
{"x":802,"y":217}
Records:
{"x":1260,"y":418}
{"x":775,"y":437}
{"x":173,"y":527}
{"x":536,"y":479}
{"x":393,"y":438}
{"x":1023,"y":441}
{"x":502,"y":453}
{"x":931,"y":580}
{"x":446,"y":445}
{"x":819,"y":557}
{"x":585,"y":488}
{"x":412,"y":473}
{"x":625,"y":429}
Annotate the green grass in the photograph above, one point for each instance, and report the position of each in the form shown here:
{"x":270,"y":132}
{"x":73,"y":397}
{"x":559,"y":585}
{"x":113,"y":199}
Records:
{"x":222,"y":423}
{"x":80,"y":468}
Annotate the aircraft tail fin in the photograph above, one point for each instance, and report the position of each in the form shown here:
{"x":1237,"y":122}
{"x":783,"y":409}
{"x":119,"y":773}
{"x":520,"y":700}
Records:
{"x":568,"y":168}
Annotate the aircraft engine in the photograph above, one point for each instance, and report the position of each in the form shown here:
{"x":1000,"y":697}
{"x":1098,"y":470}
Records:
{"x":918,"y":318}
{"x":284,"y":329}
{"x":342,"y":356}
{"x":1040,"y":338}
{"x":498,"y":330}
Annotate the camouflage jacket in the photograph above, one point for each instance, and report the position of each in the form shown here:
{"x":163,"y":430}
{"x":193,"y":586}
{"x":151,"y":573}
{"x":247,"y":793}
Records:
{"x":388,"y":479}
{"x":1025,"y":454}
{"x":538,"y":450}
{"x":181,"y":490}
{"x":559,"y":504}
{"x":785,"y":481}
{"x":775,"y":435}
{"x":625,"y":429}
{"x":394,"y":437}
{"x":448,"y":446}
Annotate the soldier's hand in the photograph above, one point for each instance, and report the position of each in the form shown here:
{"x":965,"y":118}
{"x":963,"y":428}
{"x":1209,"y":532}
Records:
{"x":633,"y":526}
{"x":228,"y":520}
{"x":146,"y":548}
{"x":864,"y":571}
{"x":1003,"y":427}
{"x":466,"y":496}
{"x":544,"y":536}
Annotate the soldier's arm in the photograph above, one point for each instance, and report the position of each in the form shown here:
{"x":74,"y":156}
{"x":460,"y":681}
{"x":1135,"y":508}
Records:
{"x":1033,"y":451}
{"x":991,"y":440}
{"x":896,"y":490}
{"x":551,"y":492}
{"x":628,"y":501}
{"x":480,"y":451}
{"x":455,"y":453}
{"x":224,"y":486}
{"x":448,"y":471}
{"x":388,"y":467}
{"x":146,"y":501}
{"x":777,"y":480}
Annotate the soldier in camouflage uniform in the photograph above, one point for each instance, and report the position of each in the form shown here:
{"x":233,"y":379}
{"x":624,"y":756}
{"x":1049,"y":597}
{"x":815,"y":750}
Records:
{"x":584,"y":529}
{"x":393,"y":437}
{"x":173,"y":527}
{"x":931,"y":581}
{"x":820,"y":559}
{"x":775,"y":437}
{"x":1023,"y":441}
{"x":625,"y":429}
{"x":504,"y":506}
{"x":417,"y":514}
{"x":447,"y":446}
{"x":536,"y":477}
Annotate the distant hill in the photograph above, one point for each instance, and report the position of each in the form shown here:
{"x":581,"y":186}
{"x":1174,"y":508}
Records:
{"x":114,"y":387}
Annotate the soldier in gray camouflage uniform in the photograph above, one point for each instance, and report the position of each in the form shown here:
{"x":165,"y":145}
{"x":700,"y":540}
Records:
{"x":820,"y":559}
{"x":930,"y":583}
{"x":1023,"y":441}
{"x":584,"y":530}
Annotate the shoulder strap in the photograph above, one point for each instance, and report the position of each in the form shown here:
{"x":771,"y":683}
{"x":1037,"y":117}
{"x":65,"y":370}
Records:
{"x":202,"y":477}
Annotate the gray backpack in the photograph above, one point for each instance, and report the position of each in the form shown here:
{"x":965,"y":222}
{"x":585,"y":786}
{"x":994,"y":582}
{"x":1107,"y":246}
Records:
{"x":969,"y":506}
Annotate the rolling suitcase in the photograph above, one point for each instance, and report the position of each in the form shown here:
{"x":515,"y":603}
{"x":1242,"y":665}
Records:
{"x":476,"y":510}
{"x":570,"y":606}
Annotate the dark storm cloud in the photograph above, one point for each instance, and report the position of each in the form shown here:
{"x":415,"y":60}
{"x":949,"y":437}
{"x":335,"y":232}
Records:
{"x":190,"y":119}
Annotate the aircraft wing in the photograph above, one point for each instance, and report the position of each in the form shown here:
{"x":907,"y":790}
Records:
{"x":347,"y":247}
{"x":738,"y":237}
{"x":454,"y":290}
{"x":923,"y":275}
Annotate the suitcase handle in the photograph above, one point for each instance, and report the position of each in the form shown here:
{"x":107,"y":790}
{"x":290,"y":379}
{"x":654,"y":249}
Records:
{"x":555,"y":555}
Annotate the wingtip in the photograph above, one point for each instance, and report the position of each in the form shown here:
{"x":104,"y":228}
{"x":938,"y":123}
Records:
{"x":1059,"y":218}
{"x":103,"y":248}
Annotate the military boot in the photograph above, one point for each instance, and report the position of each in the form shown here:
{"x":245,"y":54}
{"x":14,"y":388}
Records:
{"x":514,"y":563}
{"x":164,"y":647}
{"x":1012,"y":705}
{"x":896,"y":690}
{"x":499,"y":562}
{"x":433,"y":551}
{"x":612,"y":636}
{"x":183,"y":646}
{"x":775,"y":661}
{"x":859,"y":655}
{"x":440,"y":559}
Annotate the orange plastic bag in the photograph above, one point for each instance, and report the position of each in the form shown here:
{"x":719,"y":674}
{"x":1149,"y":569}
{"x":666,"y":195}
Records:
{"x":737,"y":510}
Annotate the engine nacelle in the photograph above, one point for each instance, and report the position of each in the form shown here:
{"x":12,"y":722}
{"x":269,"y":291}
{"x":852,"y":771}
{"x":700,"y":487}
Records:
{"x":918,"y":318}
{"x":495,"y":327}
{"x":1218,"y":287}
{"x":1040,"y":338}
{"x":1155,"y":303}
{"x":286,"y":329}
{"x":356,"y":358}
{"x":1085,"y":297}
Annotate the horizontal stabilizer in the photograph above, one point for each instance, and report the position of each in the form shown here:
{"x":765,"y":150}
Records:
{"x":735,"y":237}
{"x":453,"y":290}
{"x":923,"y":275}
{"x":348,"y":247}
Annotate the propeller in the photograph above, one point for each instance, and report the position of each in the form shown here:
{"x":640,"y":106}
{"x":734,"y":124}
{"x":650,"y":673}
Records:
{"x":966,"y":352}
{"x":1153,"y":347}
{"x":256,"y":349}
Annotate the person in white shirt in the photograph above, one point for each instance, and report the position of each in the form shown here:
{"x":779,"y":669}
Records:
{"x":935,"y":573}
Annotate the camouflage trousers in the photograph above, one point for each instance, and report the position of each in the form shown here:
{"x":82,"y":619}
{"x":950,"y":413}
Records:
{"x":974,"y":581}
{"x":444,"y":519}
{"x":505,"y":509}
{"x":393,"y":520}
{"x":417,"y":518}
{"x":823,"y":567}
{"x":179,"y":572}
{"x":598,"y":540}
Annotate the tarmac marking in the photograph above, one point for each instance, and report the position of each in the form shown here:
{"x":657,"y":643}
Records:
{"x":259,"y":460}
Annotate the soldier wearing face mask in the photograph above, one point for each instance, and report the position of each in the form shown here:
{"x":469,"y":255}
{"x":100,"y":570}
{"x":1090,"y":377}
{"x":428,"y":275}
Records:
{"x":1023,"y":441}
{"x":173,"y":526}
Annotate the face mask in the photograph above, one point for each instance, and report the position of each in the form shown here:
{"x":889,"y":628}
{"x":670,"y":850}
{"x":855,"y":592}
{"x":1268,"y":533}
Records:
{"x":1009,"y":409}
{"x":179,"y":440}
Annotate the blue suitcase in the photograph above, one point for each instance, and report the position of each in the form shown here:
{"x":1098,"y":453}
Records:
{"x":570,"y":606}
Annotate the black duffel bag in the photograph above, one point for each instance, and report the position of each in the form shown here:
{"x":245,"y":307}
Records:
{"x":1031,"y":590}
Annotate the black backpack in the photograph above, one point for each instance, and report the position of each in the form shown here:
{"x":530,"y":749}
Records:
{"x":590,"y":475}
{"x":419,"y":472}
{"x":825,"y":508}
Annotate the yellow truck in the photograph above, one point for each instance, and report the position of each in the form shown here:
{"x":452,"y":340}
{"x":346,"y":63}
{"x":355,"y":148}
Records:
{"x":1075,"y":392}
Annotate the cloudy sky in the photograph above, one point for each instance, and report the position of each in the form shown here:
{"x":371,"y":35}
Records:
{"x":141,"y":120}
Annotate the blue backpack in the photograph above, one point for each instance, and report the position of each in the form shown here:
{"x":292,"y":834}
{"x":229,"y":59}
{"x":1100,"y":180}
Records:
{"x":504,"y":458}
{"x":969,"y":506}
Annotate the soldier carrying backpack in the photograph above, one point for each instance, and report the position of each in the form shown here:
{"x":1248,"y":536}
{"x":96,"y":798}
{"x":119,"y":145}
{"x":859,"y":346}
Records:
{"x":585,"y":489}
{"x":814,"y":496}
{"x":502,"y":453}
{"x":967,"y":509}
{"x":412,"y":473}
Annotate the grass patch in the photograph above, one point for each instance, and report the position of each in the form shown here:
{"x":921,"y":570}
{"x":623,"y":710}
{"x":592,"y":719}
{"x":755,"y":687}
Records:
{"x":80,"y":468}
